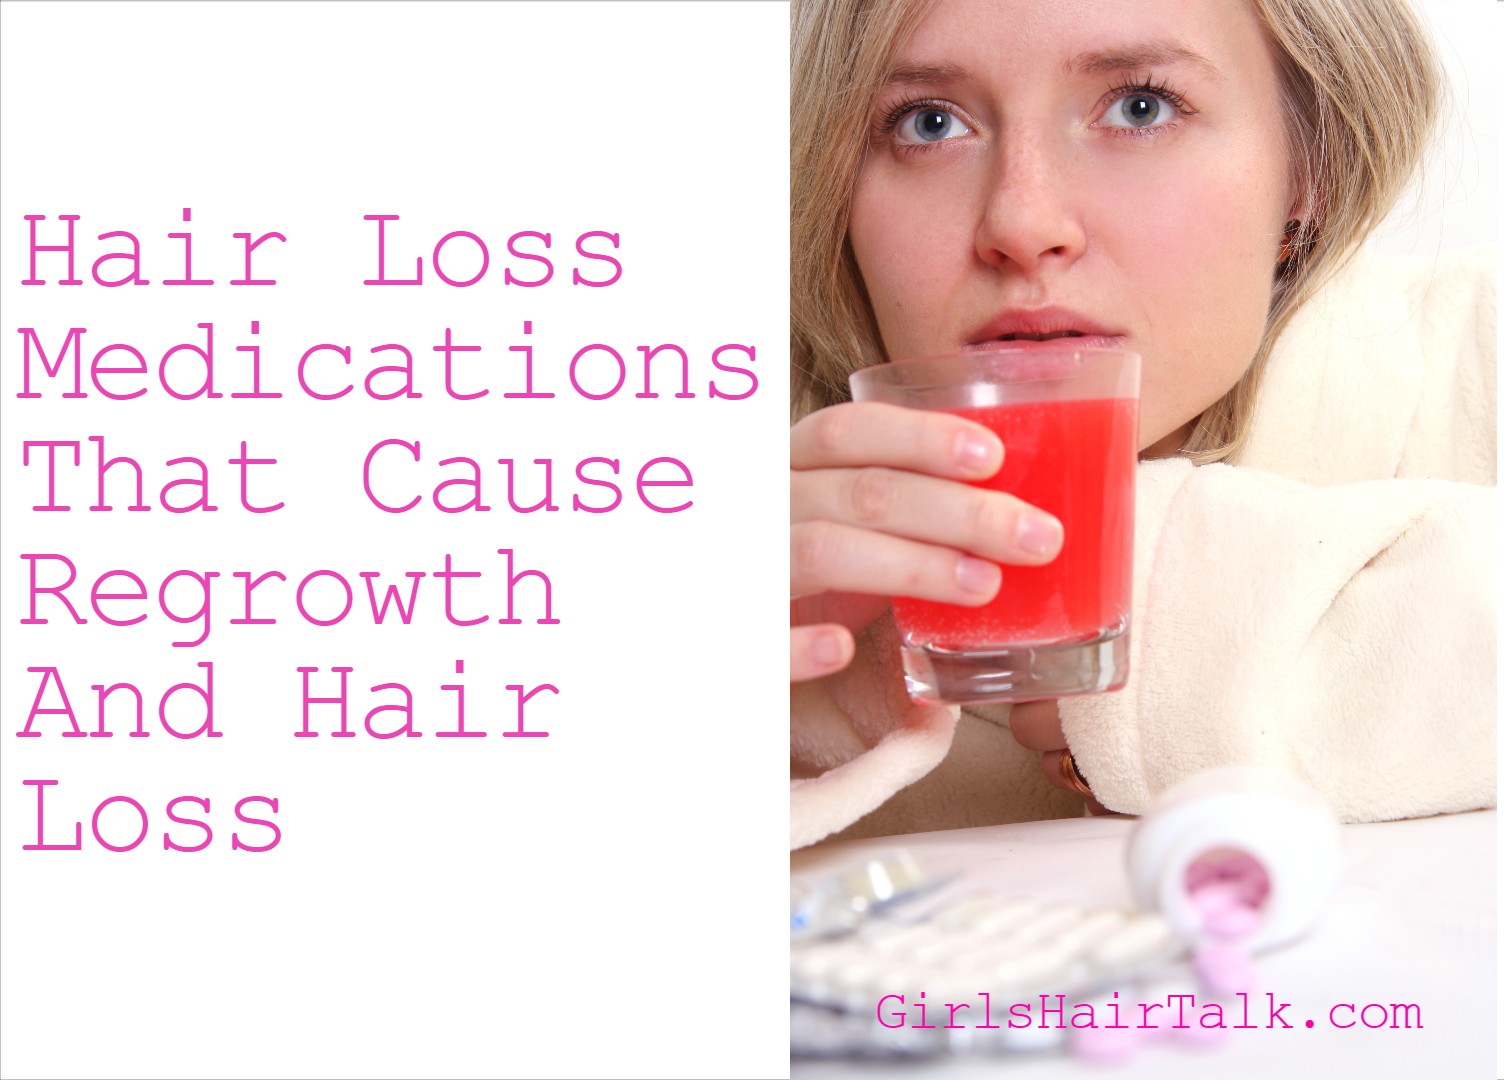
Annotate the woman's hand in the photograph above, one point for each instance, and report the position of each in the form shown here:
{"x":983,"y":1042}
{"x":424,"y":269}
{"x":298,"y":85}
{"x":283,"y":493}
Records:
{"x":1036,"y":725}
{"x":880,"y":506}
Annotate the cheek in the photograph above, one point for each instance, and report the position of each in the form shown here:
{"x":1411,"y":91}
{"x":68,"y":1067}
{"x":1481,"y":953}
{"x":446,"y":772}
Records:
{"x":911,"y":253}
{"x":1207,"y":297}
{"x":1218,"y":269}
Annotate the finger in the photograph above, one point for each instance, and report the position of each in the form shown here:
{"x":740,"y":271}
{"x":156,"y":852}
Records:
{"x":852,"y":610}
{"x":1049,"y":764}
{"x":816,"y":651}
{"x":827,"y":557}
{"x":1036,"y":725}
{"x":871,"y":433}
{"x":990,"y":524}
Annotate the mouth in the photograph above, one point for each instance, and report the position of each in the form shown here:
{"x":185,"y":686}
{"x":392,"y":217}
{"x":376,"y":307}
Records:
{"x":1034,"y":327}
{"x":1056,"y":336}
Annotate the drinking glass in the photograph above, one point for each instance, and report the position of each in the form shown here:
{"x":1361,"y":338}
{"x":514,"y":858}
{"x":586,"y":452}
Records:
{"x":1068,"y":420}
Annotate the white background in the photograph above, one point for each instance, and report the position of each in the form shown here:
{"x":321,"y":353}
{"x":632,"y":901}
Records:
{"x":1454,"y":204}
{"x":606,"y":901}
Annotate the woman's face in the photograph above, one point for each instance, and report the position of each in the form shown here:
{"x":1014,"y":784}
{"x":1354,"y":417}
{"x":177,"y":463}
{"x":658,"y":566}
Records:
{"x":1109,"y":169}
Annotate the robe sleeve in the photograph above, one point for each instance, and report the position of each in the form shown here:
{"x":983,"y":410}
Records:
{"x":1344,"y":634}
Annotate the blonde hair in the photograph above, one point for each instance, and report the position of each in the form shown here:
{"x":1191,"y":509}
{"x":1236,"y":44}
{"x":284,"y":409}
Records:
{"x":1361,"y":94}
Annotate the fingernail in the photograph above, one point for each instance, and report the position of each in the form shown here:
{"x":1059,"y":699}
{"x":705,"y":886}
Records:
{"x":977,"y":575}
{"x":1039,"y":534}
{"x":827,"y":650}
{"x":974,"y":451}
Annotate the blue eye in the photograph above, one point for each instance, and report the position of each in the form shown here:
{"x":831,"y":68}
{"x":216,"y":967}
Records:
{"x":929,"y":124}
{"x":1140,"y":109}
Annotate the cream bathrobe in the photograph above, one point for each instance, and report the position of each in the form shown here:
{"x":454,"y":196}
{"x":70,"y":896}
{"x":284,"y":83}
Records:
{"x":1325,"y":606}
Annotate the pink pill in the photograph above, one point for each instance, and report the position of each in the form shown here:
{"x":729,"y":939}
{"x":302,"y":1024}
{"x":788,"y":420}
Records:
{"x":1225,"y":968}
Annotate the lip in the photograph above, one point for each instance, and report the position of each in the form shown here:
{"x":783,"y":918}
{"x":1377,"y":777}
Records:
{"x":1043,"y":320}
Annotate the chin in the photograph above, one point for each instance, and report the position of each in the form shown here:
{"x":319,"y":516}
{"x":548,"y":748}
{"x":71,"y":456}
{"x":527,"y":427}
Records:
{"x":1165,"y":445}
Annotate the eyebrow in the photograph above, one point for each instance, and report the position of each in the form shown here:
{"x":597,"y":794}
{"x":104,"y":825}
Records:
{"x":1095,"y":62}
{"x":1138,"y":57}
{"x":927,"y":73}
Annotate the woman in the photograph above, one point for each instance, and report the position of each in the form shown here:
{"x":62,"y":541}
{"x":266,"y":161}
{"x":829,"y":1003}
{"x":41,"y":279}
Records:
{"x":1178,"y":179}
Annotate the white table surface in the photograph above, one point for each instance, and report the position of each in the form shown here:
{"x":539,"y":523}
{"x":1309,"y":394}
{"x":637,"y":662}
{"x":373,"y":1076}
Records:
{"x":1412,"y":922}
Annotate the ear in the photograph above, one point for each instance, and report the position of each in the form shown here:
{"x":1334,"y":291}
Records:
{"x":1302,"y":223}
{"x":1304,"y":201}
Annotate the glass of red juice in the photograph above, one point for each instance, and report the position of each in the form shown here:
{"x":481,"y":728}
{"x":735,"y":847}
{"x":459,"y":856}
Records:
{"x":1068,"y":419}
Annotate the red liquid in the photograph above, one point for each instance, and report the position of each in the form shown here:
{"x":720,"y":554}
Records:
{"x":1075,"y":459}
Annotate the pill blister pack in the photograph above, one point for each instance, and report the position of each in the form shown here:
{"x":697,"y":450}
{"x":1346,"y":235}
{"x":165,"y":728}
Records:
{"x":885,"y":961}
{"x":947,"y":979}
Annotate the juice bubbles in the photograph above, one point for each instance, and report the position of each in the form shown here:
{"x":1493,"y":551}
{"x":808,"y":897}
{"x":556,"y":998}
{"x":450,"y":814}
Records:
{"x":1075,"y":459}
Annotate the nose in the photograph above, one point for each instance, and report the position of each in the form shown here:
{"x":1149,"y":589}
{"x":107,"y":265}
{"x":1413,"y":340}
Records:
{"x":1030,"y":216}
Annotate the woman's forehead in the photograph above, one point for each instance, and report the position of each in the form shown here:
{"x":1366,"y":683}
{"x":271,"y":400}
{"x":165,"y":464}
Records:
{"x":1073,"y":38}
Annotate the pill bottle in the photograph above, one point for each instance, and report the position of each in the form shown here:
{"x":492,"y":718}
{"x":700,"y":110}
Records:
{"x":1255,"y":835}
